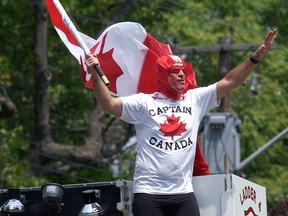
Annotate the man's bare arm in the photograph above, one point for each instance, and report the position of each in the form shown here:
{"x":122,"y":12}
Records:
{"x":236,"y":76}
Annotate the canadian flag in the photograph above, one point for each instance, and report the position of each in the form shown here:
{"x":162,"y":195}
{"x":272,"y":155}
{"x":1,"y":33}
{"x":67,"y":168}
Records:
{"x":126,"y":52}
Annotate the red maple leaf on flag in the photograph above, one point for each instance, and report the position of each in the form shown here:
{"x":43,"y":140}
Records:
{"x":173,"y":127}
{"x":109,"y":66}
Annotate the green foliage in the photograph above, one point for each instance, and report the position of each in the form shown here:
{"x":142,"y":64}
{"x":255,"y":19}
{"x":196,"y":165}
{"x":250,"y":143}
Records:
{"x":14,"y":166}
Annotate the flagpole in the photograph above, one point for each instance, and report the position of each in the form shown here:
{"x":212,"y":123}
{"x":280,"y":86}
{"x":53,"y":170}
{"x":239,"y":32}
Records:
{"x":79,"y":39}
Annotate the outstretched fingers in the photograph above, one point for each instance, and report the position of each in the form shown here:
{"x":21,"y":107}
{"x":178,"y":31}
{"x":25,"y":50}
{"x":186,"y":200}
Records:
{"x":270,"y":38}
{"x":266,"y":45}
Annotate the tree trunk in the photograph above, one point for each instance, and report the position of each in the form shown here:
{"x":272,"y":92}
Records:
{"x":42,"y":134}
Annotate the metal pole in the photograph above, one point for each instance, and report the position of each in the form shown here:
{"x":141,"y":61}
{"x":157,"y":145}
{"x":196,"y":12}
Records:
{"x":263,"y":148}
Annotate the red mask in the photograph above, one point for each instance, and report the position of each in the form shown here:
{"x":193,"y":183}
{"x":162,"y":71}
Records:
{"x":165,"y":65}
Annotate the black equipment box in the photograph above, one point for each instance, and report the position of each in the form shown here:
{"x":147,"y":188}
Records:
{"x":114,"y":198}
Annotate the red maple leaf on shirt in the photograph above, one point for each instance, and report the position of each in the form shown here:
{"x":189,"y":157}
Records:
{"x":172,"y":127}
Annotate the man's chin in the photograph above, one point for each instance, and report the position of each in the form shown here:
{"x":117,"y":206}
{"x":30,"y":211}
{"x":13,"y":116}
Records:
{"x":181,"y":89}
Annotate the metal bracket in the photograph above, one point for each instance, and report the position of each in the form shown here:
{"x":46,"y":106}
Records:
{"x":126,"y":197}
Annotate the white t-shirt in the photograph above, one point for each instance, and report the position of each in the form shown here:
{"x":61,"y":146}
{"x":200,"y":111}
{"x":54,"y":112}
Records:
{"x":166,"y":138}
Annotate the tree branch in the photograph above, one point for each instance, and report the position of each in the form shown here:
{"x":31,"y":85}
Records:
{"x":7,"y":107}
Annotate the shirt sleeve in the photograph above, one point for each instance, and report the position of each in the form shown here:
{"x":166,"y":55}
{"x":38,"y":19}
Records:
{"x":133,"y":108}
{"x":206,"y":98}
